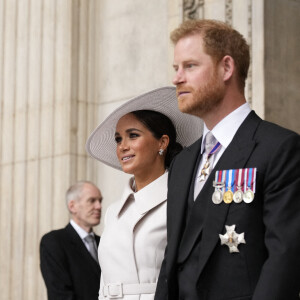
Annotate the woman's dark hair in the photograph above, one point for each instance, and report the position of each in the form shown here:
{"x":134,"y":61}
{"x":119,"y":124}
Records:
{"x":159,"y":124}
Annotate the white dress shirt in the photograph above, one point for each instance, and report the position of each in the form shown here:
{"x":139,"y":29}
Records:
{"x":81,"y":232}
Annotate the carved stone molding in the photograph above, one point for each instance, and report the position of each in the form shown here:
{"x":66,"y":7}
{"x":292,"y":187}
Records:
{"x":228,"y":12}
{"x":193,"y":9}
{"x":249,"y":40}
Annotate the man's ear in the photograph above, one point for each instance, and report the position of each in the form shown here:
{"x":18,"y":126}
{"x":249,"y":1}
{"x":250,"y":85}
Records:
{"x":228,"y":67}
{"x":72,"y":206}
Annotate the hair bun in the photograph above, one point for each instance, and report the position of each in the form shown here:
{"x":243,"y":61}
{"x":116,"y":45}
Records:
{"x":173,"y":150}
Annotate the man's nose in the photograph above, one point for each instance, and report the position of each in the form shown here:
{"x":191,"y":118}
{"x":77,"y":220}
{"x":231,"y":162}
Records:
{"x":179,"y":77}
{"x":98,"y":204}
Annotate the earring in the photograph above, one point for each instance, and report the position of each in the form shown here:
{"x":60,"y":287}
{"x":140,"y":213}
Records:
{"x":161,"y":152}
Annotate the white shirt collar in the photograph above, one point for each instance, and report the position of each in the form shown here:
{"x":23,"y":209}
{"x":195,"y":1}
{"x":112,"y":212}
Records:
{"x":81,"y":232}
{"x":225,"y":130}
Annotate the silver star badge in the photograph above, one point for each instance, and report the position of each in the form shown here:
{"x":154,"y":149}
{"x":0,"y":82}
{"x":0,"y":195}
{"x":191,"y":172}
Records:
{"x":204,"y":172}
{"x":203,"y":175}
{"x":232,"y":239}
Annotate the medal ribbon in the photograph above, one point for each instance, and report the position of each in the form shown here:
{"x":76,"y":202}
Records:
{"x":229,"y":179}
{"x":254,"y":180}
{"x":220,"y":179}
{"x":239,"y":183}
{"x":250,"y":179}
{"x":214,"y":150}
{"x":226,"y":177}
{"x":219,"y":176}
{"x":223,"y":173}
{"x":245,"y":179}
{"x":249,"y":184}
{"x":242,"y":180}
{"x":236,"y":183}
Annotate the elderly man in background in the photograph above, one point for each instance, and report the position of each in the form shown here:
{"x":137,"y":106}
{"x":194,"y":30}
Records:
{"x":69,"y":262}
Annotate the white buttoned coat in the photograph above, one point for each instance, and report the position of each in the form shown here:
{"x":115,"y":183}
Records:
{"x":132,"y":245}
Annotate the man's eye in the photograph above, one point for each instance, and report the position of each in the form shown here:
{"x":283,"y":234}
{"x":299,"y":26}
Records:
{"x":188,"y":66}
{"x":133,"y":135}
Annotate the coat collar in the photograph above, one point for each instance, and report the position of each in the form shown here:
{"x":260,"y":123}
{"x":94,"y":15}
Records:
{"x":147,"y":198}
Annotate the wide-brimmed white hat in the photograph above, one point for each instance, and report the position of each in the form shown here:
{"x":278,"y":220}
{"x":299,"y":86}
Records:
{"x":101,"y":143}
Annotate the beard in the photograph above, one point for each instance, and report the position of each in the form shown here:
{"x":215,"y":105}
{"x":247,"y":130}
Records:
{"x":204,"y":99}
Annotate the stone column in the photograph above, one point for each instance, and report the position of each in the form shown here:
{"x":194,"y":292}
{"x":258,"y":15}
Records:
{"x":47,"y":100}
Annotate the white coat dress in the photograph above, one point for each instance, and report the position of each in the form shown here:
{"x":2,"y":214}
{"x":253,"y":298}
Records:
{"x":132,"y":245}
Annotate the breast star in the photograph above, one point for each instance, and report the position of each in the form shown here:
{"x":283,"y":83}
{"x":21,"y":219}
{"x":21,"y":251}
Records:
{"x":232,"y":239}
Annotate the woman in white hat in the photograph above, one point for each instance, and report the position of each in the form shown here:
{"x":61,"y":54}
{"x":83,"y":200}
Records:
{"x":140,"y":138}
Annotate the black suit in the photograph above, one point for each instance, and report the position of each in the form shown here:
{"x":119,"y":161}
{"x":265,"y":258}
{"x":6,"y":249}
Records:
{"x":69,"y":270}
{"x":267,"y":267}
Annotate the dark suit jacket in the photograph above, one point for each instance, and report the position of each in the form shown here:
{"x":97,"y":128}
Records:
{"x":268,"y":265}
{"x":68,"y":269}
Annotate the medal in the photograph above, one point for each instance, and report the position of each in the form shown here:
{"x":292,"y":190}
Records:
{"x":250,"y":176}
{"x":238,"y":194}
{"x":232,"y":239}
{"x":218,"y":184}
{"x":248,"y":196}
{"x":228,"y":195}
{"x":234,"y":185}
{"x":204,"y":171}
{"x":217,"y":197}
{"x":206,"y":168}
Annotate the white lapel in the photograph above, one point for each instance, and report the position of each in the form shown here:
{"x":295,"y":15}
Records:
{"x":147,"y":198}
{"x":152,"y":195}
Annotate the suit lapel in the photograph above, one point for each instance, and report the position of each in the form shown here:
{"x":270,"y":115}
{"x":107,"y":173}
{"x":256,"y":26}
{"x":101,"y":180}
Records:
{"x":78,"y":245}
{"x":181,"y":173}
{"x":235,"y":156}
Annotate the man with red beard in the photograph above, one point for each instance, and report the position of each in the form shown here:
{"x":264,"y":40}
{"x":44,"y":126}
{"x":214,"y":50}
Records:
{"x":69,"y":260}
{"x":233,"y":216}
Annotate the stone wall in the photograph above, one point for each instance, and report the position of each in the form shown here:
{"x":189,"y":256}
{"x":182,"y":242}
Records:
{"x":66,"y":64}
{"x":282,"y":63}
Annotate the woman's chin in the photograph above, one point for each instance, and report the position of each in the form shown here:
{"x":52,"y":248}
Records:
{"x":127,"y":169}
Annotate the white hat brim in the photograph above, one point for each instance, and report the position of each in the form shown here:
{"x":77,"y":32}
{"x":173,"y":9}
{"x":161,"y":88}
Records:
{"x":101,"y":143}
